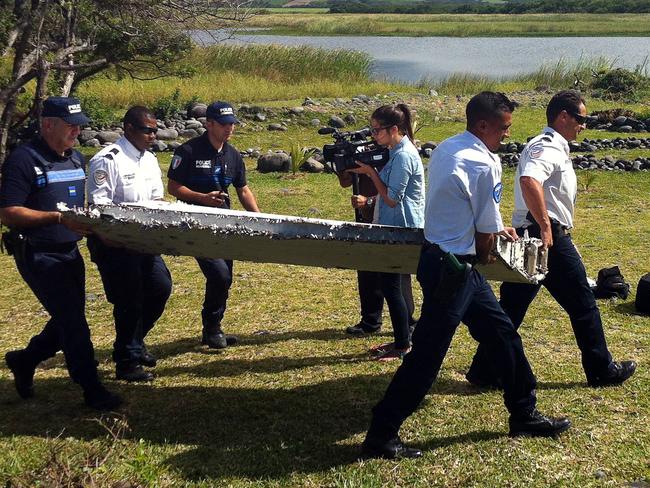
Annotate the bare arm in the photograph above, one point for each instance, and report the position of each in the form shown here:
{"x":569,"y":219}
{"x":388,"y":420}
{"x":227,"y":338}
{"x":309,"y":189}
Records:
{"x":382,"y":189}
{"x":26,"y":217}
{"x":484,"y":245}
{"x":247,"y":199}
{"x":533,"y":194}
{"x":212,"y":199}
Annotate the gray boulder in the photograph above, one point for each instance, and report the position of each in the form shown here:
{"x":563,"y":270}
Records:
{"x":296,"y":110}
{"x":313,"y":166}
{"x":189,"y":133}
{"x":173,"y":145}
{"x":87,"y":134}
{"x":336,"y":122}
{"x":167,"y":134}
{"x":276,"y":127}
{"x":158,"y":146}
{"x":315,"y":122}
{"x":193,"y":124}
{"x":350,"y":119}
{"x":273,"y":162}
{"x":198,"y":110}
{"x":91,"y":143}
{"x":108,"y":136}
{"x":621,"y":120}
{"x":259,"y":117}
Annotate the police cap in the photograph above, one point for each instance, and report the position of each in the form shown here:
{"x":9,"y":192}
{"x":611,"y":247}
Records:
{"x":66,"y":108}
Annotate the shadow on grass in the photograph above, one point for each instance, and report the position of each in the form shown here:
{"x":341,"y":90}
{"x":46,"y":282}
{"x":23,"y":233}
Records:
{"x":231,"y":432}
{"x":629,"y":308}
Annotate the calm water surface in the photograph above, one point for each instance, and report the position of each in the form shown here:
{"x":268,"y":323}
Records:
{"x":414,"y":58}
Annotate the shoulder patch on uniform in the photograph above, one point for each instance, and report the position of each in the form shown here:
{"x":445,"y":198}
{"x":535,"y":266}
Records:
{"x":497,"y":191}
{"x":176,"y":161}
{"x":100,"y":177}
{"x":536,"y":150}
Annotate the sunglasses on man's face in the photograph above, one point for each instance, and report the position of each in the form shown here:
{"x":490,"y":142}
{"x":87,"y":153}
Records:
{"x":580,"y":119}
{"x":146,"y":130}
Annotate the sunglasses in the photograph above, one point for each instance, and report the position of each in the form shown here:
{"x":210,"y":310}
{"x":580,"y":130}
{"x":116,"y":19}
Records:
{"x":375,"y":130}
{"x":146,"y":130}
{"x":580,"y":119}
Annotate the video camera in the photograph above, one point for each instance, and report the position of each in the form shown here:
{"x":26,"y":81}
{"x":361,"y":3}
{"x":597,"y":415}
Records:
{"x":352,"y":146}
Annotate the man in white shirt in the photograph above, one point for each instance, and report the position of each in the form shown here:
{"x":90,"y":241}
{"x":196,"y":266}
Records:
{"x":138,"y":285}
{"x":461,"y":221}
{"x":545,"y":195}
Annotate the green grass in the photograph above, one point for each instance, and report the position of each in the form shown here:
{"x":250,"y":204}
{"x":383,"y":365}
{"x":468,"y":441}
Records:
{"x":290,"y":405}
{"x":456,"y":25}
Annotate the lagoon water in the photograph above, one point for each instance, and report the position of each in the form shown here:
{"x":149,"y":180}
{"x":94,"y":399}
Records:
{"x":411,"y":59}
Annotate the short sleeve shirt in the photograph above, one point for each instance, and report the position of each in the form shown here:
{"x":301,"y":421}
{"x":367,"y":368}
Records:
{"x":464,"y":192}
{"x":201,"y":168}
{"x":120,"y":173}
{"x":546,"y":158}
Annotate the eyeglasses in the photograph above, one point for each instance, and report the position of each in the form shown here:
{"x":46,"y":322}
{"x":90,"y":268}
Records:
{"x":375,"y":130}
{"x":146,"y":130}
{"x":580,"y":119}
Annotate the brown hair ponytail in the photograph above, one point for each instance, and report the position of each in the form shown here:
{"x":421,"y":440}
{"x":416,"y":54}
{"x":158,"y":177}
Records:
{"x":397,"y":114}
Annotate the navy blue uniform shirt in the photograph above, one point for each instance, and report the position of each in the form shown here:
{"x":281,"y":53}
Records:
{"x":36,"y":177}
{"x":198,"y":166}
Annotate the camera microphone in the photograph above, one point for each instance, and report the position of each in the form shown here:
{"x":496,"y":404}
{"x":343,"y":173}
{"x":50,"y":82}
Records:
{"x":326,"y":130}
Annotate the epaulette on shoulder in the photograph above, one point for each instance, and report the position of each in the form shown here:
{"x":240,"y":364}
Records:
{"x":113,"y":152}
{"x":548,"y":137}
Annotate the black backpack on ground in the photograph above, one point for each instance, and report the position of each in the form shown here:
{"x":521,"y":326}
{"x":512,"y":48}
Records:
{"x":642,"y":302}
{"x":610,"y":283}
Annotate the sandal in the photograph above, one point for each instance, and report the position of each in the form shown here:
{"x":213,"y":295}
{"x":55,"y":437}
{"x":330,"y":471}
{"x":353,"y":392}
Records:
{"x":382,"y":348}
{"x":392,"y":354}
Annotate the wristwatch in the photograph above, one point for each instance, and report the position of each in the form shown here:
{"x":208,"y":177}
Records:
{"x":370,"y":201}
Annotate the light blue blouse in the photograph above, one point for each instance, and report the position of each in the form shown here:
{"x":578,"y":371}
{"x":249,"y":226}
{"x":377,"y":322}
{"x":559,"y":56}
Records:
{"x":403,"y":175}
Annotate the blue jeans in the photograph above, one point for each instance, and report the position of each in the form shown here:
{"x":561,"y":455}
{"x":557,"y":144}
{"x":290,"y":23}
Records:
{"x":431,"y":340}
{"x":57,"y":278}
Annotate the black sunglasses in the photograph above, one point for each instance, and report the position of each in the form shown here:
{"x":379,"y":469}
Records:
{"x":580,"y":119}
{"x":375,"y":130}
{"x":145,"y":129}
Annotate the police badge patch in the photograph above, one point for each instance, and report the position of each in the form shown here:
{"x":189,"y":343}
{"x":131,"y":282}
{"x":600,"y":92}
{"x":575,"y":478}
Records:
{"x":176,"y":162}
{"x":100,"y":177}
{"x":536,"y":150}
{"x":496,"y":192}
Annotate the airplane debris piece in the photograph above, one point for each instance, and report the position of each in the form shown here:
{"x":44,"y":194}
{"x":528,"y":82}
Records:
{"x":190,"y":230}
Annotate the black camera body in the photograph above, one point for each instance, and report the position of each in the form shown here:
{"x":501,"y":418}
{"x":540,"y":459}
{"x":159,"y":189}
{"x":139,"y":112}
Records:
{"x":349,"y":147}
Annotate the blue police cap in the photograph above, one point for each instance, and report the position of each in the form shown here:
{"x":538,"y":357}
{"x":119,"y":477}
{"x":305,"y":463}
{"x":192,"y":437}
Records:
{"x":66,"y":108}
{"x":222,"y":112}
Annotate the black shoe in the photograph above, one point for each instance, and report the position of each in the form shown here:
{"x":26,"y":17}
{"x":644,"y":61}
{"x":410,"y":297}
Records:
{"x":483,"y":382}
{"x":216,"y":339}
{"x":132,"y":372}
{"x":390,"y":449}
{"x":362,"y":329}
{"x":23,"y":372}
{"x":616,"y":375}
{"x":100,"y":398}
{"x":534,"y":424}
{"x":147,"y":359}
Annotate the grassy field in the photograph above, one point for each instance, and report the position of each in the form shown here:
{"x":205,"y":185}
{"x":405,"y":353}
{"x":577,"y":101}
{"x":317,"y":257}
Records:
{"x":454,"y":25}
{"x":290,"y":404}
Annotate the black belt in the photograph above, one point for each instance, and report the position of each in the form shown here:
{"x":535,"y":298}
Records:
{"x":463,"y":258}
{"x":62,"y":247}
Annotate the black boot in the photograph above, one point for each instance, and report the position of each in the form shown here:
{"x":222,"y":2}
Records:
{"x":214,"y":338}
{"x":387,"y":449}
{"x":617,"y":374}
{"x":534,"y":424}
{"x":132,"y":372}
{"x":147,"y":359}
{"x":23,"y":370}
{"x":99,"y":398}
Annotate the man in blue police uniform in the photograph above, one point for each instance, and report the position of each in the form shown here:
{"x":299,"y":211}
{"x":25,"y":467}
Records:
{"x":461,"y":221}
{"x":137,"y":284}
{"x":35,"y":178}
{"x":201,"y":171}
{"x":545,"y":195}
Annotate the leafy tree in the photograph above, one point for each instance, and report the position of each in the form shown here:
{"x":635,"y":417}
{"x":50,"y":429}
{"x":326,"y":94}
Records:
{"x":53,"y":45}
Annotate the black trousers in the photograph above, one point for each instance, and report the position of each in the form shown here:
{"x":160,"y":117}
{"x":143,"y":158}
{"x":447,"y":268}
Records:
{"x":218,"y":280}
{"x":57,"y":278}
{"x":371,"y":298}
{"x":567,"y":282}
{"x":474,"y":304}
{"x":138,"y":285}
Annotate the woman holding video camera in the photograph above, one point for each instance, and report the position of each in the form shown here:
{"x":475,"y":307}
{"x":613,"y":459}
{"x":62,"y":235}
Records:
{"x":399,"y":202}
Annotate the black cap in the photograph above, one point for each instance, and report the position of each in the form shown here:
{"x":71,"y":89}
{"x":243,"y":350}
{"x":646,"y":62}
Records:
{"x":222,"y":112}
{"x":66,"y":108}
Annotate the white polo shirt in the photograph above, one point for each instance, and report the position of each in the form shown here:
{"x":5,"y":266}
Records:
{"x":120,"y":173}
{"x":464,"y":191}
{"x":546,"y":158}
